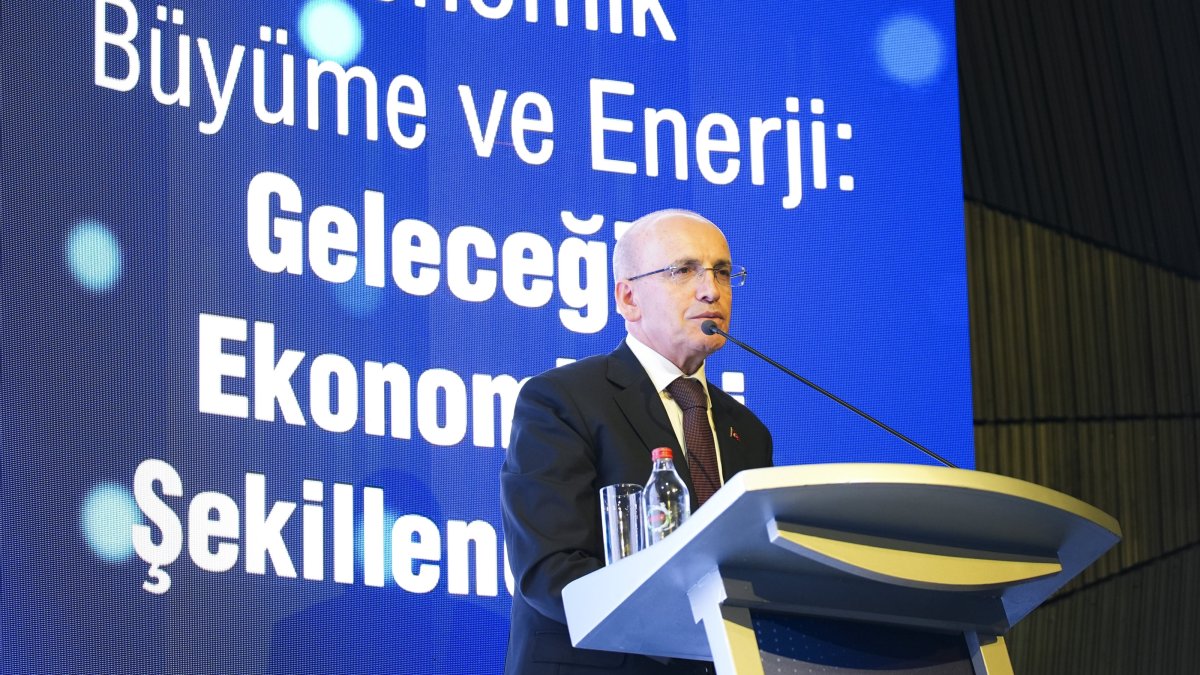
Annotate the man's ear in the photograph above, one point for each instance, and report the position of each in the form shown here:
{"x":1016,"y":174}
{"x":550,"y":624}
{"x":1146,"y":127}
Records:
{"x":627,"y":305}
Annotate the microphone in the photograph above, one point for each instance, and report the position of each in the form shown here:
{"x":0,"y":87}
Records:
{"x":709,"y":327}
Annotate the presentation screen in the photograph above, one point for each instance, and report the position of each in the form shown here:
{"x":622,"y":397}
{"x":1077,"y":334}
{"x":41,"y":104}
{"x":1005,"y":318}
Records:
{"x":275,"y":272}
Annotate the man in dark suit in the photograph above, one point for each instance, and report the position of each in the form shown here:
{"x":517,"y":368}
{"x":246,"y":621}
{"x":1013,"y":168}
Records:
{"x":580,"y":427}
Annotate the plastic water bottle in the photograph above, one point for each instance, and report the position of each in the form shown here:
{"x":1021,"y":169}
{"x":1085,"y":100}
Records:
{"x":665,"y":500}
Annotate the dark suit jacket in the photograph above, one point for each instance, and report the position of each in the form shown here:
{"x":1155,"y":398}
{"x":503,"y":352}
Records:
{"x":575,"y":429}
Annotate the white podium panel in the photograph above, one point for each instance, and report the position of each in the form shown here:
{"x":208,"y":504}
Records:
{"x":911,"y":547}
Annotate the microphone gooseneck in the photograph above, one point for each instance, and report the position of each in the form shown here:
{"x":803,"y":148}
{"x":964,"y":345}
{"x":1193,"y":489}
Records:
{"x":710,"y":327}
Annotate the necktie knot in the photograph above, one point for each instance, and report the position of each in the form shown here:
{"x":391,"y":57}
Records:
{"x":688,"y":393}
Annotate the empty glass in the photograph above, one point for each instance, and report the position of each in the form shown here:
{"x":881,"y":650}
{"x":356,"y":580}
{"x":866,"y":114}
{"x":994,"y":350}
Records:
{"x":621,"y":520}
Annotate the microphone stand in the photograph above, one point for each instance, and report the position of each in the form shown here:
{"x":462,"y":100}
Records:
{"x":709,"y":327}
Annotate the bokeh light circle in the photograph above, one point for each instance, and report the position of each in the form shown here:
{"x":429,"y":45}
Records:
{"x":108,"y":516}
{"x":910,"y":50}
{"x":94,"y":256}
{"x":356,"y":298}
{"x":331,"y":31}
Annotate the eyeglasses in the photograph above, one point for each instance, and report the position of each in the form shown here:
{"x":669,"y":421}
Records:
{"x":731,"y":276}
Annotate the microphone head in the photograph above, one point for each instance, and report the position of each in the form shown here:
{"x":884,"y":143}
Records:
{"x":709,"y":327}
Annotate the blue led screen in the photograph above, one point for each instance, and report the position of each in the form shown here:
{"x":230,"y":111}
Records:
{"x":274,"y":272}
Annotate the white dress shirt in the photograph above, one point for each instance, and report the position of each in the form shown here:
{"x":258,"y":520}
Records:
{"x":662,"y":373}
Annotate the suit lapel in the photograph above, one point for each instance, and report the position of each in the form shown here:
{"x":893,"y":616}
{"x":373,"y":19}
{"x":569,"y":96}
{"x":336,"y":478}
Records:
{"x":728,"y":439}
{"x":642,"y":406}
{"x":643,"y":409}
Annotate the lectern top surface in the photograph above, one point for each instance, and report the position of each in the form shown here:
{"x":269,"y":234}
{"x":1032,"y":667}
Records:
{"x":866,"y":474}
{"x":902,"y":507}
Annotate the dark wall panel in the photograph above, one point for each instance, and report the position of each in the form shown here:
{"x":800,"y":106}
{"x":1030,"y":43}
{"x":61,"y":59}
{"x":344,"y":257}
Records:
{"x":1081,"y":168}
{"x":1079,"y":116}
{"x":1085,"y":364}
{"x":1116,"y":626}
{"x":1066,"y":329}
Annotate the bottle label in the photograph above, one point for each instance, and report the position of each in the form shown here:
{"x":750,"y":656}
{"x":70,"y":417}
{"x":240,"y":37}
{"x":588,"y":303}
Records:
{"x":658,"y":519}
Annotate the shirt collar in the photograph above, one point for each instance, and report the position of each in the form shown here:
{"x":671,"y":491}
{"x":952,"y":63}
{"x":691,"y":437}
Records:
{"x":661,"y":371}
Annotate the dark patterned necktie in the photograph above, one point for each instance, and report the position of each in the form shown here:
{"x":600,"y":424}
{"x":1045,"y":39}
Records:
{"x":698,"y":435}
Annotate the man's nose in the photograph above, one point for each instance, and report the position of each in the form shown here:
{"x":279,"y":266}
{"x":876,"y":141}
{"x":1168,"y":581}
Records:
{"x":707,"y":288}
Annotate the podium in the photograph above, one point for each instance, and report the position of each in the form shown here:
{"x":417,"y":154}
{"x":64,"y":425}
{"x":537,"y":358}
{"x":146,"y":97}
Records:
{"x":845,"y":568}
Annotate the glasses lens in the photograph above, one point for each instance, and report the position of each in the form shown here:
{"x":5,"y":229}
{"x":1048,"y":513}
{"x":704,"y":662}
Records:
{"x":686,"y":272}
{"x":732,"y":275}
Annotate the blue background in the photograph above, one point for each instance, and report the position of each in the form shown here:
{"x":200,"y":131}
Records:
{"x":123,"y":223}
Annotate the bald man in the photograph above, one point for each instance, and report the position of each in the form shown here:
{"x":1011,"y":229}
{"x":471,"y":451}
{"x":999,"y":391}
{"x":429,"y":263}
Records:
{"x":580,"y":427}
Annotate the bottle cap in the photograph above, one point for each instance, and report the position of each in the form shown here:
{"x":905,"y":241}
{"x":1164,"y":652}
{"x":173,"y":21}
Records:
{"x":661,"y":453}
